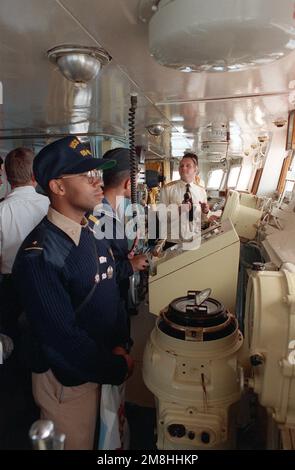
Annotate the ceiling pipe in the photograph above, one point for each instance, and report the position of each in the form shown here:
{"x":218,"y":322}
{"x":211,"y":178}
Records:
{"x":226,"y":98}
{"x":59,"y":135}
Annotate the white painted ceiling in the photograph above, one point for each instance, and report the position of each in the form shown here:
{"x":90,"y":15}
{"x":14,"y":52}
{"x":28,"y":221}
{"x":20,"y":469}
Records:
{"x":37,"y":100}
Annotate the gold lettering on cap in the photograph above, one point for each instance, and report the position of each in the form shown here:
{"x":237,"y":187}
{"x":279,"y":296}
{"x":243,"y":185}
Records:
{"x":74,"y":143}
{"x":85,"y":152}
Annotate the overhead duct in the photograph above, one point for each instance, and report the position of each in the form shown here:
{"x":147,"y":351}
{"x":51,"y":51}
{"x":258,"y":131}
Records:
{"x":214,"y":141}
{"x":220,"y":35}
{"x":214,"y":151}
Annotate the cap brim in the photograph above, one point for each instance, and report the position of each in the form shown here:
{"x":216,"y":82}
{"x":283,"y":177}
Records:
{"x":90,"y":164}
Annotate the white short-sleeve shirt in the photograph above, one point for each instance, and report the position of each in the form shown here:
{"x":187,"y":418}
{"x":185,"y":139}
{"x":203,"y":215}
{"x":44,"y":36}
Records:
{"x":20,"y":212}
{"x":173,"y":193}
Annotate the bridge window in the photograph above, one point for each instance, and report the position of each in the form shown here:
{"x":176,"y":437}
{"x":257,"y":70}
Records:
{"x":215,"y":179}
{"x":233,"y":178}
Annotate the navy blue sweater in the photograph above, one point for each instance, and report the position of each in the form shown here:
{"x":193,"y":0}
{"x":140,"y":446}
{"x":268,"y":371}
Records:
{"x":53,"y":276}
{"x":111,"y":225}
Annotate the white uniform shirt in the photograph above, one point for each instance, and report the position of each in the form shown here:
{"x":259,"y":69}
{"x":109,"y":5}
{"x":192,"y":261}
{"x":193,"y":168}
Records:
{"x":173,"y":193}
{"x":20,"y":212}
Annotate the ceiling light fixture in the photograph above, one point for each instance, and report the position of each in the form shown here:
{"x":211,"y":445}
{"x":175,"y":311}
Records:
{"x":218,"y":36}
{"x":156,"y":129}
{"x":262,"y":138}
{"x":79,"y":64}
{"x":280,"y":122}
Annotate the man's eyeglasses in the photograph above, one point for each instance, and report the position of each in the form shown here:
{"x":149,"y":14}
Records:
{"x":92,"y":176}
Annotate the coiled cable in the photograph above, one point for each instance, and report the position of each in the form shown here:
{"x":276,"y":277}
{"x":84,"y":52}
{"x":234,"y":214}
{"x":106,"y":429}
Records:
{"x":133,"y":159}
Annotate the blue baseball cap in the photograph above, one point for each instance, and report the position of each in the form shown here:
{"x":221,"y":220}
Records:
{"x":122,"y":158}
{"x":65,"y":157}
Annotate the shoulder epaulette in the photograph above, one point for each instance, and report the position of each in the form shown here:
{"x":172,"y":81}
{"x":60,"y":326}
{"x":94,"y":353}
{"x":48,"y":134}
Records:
{"x":171,"y":183}
{"x":93,"y":222}
{"x":34,"y":242}
{"x":198,"y":184}
{"x":93,"y":219}
{"x":34,"y":245}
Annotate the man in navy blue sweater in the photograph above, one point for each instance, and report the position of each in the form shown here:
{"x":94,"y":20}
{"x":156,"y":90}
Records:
{"x":117,"y":188}
{"x":66,"y":281}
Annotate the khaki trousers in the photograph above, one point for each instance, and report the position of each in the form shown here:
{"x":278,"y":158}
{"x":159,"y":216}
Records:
{"x":73,"y":410}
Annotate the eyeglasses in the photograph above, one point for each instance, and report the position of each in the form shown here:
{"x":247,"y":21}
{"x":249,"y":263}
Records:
{"x":92,"y":175}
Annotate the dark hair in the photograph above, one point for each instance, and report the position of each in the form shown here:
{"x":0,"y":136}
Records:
{"x":193,"y":156}
{"x":19,"y":166}
{"x":113,"y":179}
{"x":1,"y":160}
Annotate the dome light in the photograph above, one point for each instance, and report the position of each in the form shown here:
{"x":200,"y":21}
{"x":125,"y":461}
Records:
{"x":220,"y":36}
{"x":79,"y":64}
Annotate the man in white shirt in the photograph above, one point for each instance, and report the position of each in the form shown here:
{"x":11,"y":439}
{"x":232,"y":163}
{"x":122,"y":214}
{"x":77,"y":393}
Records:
{"x":20,"y":212}
{"x":22,"y":209}
{"x":189,"y":197}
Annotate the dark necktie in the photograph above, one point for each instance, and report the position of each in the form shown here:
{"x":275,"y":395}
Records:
{"x":187,"y":195}
{"x":188,"y":198}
